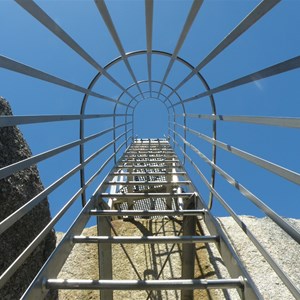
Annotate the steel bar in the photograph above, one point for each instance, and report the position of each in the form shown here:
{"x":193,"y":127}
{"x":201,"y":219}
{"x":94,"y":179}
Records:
{"x":145,"y":160}
{"x":127,"y":255}
{"x":284,"y":277}
{"x":148,"y":167}
{"x":20,"y":120}
{"x":15,"y":66}
{"x":273,"y":121}
{"x":149,"y":30}
{"x":151,"y":167}
{"x":284,"y":66}
{"x":167,"y":259}
{"x":19,"y":213}
{"x":133,"y":150}
{"x":31,"y":247}
{"x":37,"y":240}
{"x":138,"y":195}
{"x":288,"y":228}
{"x":147,"y":153}
{"x":102,"y":8}
{"x":230,"y":258}
{"x":150,"y":155}
{"x":105,"y":257}
{"x":145,"y":239}
{"x":145,"y":182}
{"x":25,"y":163}
{"x":37,"y":290}
{"x":155,"y":163}
{"x":154,"y":92}
{"x":182,"y":212}
{"x":185,"y":30}
{"x":259,"y":11}
{"x":33,"y":9}
{"x":145,"y":284}
{"x":188,"y":253}
{"x":149,"y":173}
{"x":274,"y":168}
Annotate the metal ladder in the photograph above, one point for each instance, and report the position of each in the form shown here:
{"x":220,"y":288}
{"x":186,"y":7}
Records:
{"x":147,"y":182}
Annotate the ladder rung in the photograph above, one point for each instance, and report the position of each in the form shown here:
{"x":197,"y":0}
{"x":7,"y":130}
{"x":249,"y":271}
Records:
{"x":138,"y":195}
{"x":145,"y":239}
{"x":154,"y":147}
{"x":153,"y":155}
{"x":185,"y":212}
{"x":149,"y":167}
{"x":146,"y":151}
{"x":148,"y":173}
{"x":150,"y":160}
{"x":136,"y":162}
{"x":149,"y":182}
{"x":178,"y":284}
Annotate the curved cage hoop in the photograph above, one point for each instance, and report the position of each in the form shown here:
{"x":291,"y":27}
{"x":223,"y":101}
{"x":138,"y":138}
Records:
{"x":231,"y":143}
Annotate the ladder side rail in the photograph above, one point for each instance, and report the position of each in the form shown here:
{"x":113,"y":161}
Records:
{"x":288,"y":228}
{"x":30,"y":248}
{"x":284,"y":277}
{"x":15,"y":216}
{"x":231,"y":260}
{"x":51,"y":268}
{"x":104,"y":228}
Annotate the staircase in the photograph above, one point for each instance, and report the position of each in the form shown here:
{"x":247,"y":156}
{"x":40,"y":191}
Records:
{"x":148,"y":182}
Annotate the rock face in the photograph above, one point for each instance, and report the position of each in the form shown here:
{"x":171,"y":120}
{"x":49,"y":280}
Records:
{"x":138,"y":261}
{"x":15,"y":191}
{"x":149,"y":261}
{"x":282,"y":248}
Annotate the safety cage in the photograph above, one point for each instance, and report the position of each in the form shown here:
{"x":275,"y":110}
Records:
{"x":224,"y":74}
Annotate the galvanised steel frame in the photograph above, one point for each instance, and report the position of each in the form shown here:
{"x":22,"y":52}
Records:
{"x":171,"y":101}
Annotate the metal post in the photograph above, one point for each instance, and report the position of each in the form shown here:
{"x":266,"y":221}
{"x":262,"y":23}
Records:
{"x":188,"y":250}
{"x":105,"y":255}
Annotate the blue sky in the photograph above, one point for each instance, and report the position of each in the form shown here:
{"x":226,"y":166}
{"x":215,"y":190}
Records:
{"x":273,"y":39}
